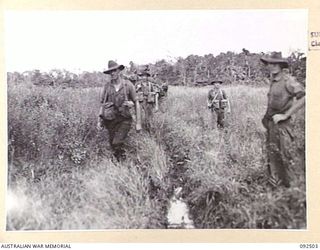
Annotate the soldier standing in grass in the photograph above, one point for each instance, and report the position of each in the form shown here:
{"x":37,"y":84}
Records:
{"x":286,"y":96}
{"x":147,"y":94}
{"x":161,"y":89}
{"x":218,"y":102}
{"x":117,"y":97}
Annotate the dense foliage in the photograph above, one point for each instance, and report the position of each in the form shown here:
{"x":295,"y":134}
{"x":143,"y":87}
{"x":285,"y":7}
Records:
{"x":233,"y":68}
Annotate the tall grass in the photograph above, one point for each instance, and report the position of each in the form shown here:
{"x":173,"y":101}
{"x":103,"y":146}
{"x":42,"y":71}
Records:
{"x":226,"y":171}
{"x":64,"y":171}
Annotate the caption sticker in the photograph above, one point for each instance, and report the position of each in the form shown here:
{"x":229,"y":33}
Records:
{"x":314,"y":41}
{"x":36,"y":246}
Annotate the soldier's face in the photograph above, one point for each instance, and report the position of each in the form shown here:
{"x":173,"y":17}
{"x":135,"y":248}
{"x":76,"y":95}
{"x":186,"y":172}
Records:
{"x":216,"y":85}
{"x":144,"y":77}
{"x":115,"y":74}
{"x":274,"y":68}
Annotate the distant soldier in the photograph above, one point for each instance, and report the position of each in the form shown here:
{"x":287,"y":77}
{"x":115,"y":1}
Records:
{"x":161,"y":89}
{"x":218,"y":102}
{"x":117,"y":97}
{"x":285,"y":97}
{"x":148,"y":94}
{"x":132,"y":77}
{"x":163,"y":86}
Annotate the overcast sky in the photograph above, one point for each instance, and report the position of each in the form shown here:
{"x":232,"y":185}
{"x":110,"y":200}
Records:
{"x":86,"y":40}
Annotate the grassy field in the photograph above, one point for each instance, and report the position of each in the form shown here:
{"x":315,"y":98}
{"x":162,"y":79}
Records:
{"x":62,"y":172}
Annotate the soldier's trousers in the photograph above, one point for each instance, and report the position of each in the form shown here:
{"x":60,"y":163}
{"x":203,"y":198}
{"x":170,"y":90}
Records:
{"x":118,"y":130}
{"x":279,"y":143}
{"x":220,"y":117}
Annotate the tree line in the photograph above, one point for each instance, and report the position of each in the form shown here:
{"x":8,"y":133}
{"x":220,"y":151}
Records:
{"x":194,"y":70}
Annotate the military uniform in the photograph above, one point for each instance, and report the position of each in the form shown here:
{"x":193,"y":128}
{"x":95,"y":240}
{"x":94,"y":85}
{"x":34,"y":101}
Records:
{"x":120,"y":123}
{"x":162,"y":90}
{"x":283,"y":90}
{"x":218,"y":98}
{"x":146,"y":90}
{"x":162,"y":87}
{"x":146,"y":94}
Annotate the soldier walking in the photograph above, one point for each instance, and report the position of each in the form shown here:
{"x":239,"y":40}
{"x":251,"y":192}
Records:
{"x":218,"y":103}
{"x":118,"y":96}
{"x":147,"y":94}
{"x":285,"y":97}
{"x":162,"y":86}
{"x":162,"y":90}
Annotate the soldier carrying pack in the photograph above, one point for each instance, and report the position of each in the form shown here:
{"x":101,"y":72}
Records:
{"x":218,"y":102}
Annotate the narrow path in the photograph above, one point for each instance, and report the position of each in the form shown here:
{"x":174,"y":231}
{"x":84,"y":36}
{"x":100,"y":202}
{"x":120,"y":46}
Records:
{"x":178,"y":216}
{"x":178,"y":212}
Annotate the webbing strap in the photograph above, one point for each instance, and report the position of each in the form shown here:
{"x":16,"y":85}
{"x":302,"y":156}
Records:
{"x":125,"y":91}
{"x":217,"y":95}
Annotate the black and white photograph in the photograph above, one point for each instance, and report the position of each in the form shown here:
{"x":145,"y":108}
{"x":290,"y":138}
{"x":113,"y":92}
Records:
{"x":156,"y":119}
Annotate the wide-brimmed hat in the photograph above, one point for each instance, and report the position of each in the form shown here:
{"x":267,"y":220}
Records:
{"x":213,"y":81}
{"x":275,"y":57}
{"x":143,"y":71}
{"x":112,"y":65}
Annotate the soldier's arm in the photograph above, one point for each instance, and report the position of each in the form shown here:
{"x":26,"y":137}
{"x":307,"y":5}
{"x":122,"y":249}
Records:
{"x":138,"y":116}
{"x":133,"y":97}
{"x":209,"y":101}
{"x":228,"y":101}
{"x":102,"y":97}
{"x":103,"y":93}
{"x":297,"y":104}
{"x":138,"y":87}
{"x":298,"y":94}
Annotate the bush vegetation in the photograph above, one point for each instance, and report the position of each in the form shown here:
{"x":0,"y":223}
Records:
{"x":64,"y":176}
{"x":233,"y":68}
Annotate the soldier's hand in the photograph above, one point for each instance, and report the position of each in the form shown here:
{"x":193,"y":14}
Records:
{"x":278,"y":118}
{"x":99,"y":124}
{"x":128,"y":104}
{"x":138,"y":127}
{"x":99,"y":127}
{"x":229,"y":111}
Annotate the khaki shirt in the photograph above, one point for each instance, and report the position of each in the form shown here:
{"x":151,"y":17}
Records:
{"x":145,"y":86}
{"x":118,"y":97}
{"x":219,"y":94}
{"x":282,"y":91}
